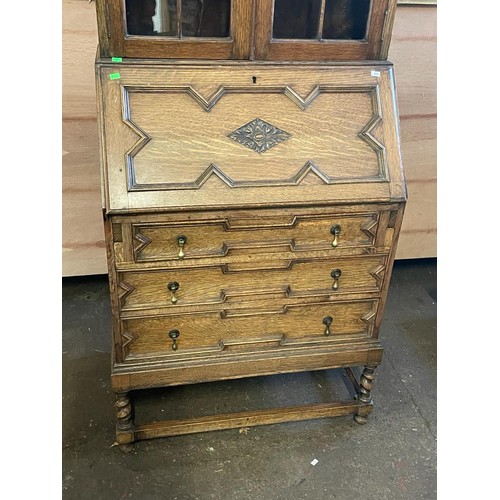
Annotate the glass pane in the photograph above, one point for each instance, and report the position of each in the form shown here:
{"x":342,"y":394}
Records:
{"x":296,"y":18}
{"x":345,"y":19}
{"x":209,"y":18}
{"x":151,"y":17}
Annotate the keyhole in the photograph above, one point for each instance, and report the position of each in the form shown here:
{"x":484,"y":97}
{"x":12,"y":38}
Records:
{"x":254,"y":79}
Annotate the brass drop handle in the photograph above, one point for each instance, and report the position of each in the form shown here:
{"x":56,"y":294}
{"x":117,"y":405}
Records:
{"x":174,"y":335}
{"x":327,"y":321}
{"x":181,"y":241}
{"x":173,"y":286}
{"x":335,"y":274}
{"x":335,"y":230}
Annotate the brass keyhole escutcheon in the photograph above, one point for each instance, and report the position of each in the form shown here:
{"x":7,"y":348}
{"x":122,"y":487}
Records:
{"x":335,"y":230}
{"x":181,"y":241}
{"x":174,"y":335}
{"x":173,"y":286}
{"x":327,"y":321}
{"x":336,"y":274}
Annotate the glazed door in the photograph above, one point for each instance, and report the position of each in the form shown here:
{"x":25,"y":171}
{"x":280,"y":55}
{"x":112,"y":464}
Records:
{"x":321,"y":30}
{"x":191,"y":29}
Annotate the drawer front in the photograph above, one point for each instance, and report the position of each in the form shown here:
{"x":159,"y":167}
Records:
{"x":257,"y":234}
{"x":247,"y":135}
{"x":178,"y":335}
{"x":234,"y":283}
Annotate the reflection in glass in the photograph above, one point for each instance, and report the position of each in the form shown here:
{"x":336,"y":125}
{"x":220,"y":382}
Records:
{"x":208,"y":18}
{"x":296,"y":18}
{"x":200,"y":18}
{"x":305,"y":19}
{"x":345,"y":19}
{"x":140,"y":15}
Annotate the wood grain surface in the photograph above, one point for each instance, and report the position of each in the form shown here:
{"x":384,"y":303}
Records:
{"x":232,"y":283}
{"x":168,"y":143}
{"x":260,"y":233}
{"x":248,"y":419}
{"x":209,"y":333}
{"x":176,"y":122}
{"x":413,"y":52}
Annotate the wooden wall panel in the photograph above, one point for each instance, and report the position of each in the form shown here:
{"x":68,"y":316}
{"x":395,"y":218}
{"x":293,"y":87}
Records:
{"x":83,"y":236}
{"x":79,"y":44}
{"x":83,"y":239}
{"x":413,"y":51}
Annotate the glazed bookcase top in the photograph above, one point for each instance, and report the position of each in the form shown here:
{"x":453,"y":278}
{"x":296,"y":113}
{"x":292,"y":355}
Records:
{"x":269,"y":30}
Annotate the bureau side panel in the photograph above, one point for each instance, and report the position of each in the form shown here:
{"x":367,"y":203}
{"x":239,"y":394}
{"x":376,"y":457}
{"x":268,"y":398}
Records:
{"x":117,"y":341}
{"x":392,"y":237}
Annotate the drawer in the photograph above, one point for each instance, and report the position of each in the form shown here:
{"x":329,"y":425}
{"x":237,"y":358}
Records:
{"x":179,"y":335}
{"x":257,"y":233}
{"x":235,"y":283}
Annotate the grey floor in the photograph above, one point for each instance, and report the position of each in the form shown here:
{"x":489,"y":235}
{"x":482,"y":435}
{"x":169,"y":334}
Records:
{"x":391,"y":457}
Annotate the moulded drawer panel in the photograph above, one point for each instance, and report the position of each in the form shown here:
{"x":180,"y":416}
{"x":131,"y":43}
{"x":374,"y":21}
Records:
{"x":237,"y":283}
{"x":248,"y":330}
{"x":156,"y":242}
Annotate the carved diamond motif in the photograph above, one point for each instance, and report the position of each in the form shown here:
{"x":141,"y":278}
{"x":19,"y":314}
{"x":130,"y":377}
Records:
{"x":259,"y":135}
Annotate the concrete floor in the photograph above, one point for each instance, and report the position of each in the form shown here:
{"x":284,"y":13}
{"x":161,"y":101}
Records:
{"x":391,"y":457}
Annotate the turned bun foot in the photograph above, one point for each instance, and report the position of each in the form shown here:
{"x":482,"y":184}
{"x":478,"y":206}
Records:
{"x":124,"y":423}
{"x":364,"y":394}
{"x":360,"y":419}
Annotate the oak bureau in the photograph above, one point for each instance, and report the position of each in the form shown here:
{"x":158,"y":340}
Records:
{"x":253,"y":194}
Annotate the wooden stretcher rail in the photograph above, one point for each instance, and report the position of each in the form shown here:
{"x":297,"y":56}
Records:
{"x":249,"y":419}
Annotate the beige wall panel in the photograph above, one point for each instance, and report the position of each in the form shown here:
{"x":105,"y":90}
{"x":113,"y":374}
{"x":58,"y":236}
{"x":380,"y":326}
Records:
{"x":415,"y":75}
{"x":83,"y":244}
{"x":414,"y":54}
{"x":79,"y":44}
{"x":413,"y":51}
{"x":418,"y":234}
{"x":419,"y":147}
{"x":82,"y":228}
{"x":421,"y":208}
{"x":415,"y":22}
{"x":417,"y":244}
